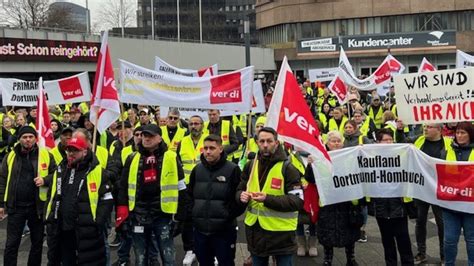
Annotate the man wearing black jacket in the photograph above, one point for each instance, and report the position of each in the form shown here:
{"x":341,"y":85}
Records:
{"x":223,"y":129}
{"x":212,"y":186}
{"x":23,"y":194}
{"x":152,"y":189}
{"x":273,"y":194}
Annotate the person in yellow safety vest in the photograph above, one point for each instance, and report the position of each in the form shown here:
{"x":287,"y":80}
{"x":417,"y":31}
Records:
{"x":353,"y":136}
{"x":338,"y":121}
{"x":253,"y":146}
{"x":392,"y":218}
{"x":83,"y":108}
{"x":23,"y":192}
{"x":390,"y":121}
{"x":461,"y":150}
{"x":323,"y":115}
{"x":240,"y":127}
{"x":328,"y":98}
{"x":335,"y":228}
{"x":144,"y":117}
{"x":7,"y":137}
{"x":132,"y":116}
{"x":59,"y":152}
{"x":271,"y":188}
{"x":152,"y":191}
{"x":223,"y":128}
{"x":125,"y":134}
{"x":66,"y":119}
{"x":365,"y":124}
{"x":375,"y":110}
{"x":435,"y":145}
{"x":31,"y":118}
{"x":172,"y":133}
{"x":78,"y":207}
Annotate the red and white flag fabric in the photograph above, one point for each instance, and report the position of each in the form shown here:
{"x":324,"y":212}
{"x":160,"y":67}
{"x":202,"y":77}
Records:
{"x":105,"y":106}
{"x":339,"y":88}
{"x":426,"y":66}
{"x":396,"y":67}
{"x":381,"y":76}
{"x":43,"y":123}
{"x":291,"y":117}
{"x":72,"y":89}
{"x":163,"y":66}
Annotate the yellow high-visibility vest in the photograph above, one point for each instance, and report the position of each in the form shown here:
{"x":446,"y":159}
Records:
{"x":43,"y":157}
{"x":102,"y":155}
{"x":94,"y":180}
{"x":58,"y":157}
{"x":376,"y":117}
{"x":178,"y":136}
{"x":190,"y":155}
{"x":225,"y":134}
{"x":421,"y":140}
{"x":168,"y":182}
{"x":269,"y":219}
{"x":125,"y":153}
{"x":333,"y":125}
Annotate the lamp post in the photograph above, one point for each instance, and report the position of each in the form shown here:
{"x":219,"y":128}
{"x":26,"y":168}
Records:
{"x":177,"y":16}
{"x":200,"y":21}
{"x":152,"y":22}
{"x":247,"y":40}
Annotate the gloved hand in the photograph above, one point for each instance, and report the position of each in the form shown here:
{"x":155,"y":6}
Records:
{"x":122,"y":214}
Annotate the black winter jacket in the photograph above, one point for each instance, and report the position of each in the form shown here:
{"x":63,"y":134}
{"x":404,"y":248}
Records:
{"x":147,"y":210}
{"x":212,"y":189}
{"x":260,"y":241}
{"x":10,"y":205}
{"x":89,"y":233}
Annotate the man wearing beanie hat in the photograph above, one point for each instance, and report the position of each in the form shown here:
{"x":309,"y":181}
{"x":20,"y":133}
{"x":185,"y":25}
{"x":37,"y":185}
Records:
{"x":23,"y":193}
{"x":151,"y":192}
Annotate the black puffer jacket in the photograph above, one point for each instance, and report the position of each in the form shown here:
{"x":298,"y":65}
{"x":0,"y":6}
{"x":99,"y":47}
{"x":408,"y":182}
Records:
{"x":89,"y":233}
{"x":334,"y":228}
{"x":32,"y":156}
{"x":389,"y":208}
{"x":212,"y":189}
{"x":260,"y":241}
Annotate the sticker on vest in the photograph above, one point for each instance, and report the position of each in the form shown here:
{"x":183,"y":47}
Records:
{"x":225,"y":138}
{"x":93,"y":187}
{"x":149,"y":175}
{"x":44,"y":166}
{"x":139,"y":229}
{"x":276,"y":183}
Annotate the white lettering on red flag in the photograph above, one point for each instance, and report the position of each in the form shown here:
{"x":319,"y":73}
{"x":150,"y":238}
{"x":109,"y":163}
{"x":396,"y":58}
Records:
{"x":339,"y":88}
{"x":105,"y":107}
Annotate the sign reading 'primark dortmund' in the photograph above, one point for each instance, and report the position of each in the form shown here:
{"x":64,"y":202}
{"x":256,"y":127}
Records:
{"x":379,"y":41}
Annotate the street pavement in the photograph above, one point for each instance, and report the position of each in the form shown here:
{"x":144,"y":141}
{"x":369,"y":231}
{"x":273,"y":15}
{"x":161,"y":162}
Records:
{"x":370,"y":253}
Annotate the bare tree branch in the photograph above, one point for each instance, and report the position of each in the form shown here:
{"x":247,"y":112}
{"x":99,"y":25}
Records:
{"x":111,"y":14}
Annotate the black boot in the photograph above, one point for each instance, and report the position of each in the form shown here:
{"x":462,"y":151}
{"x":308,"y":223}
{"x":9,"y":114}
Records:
{"x":328,"y":254}
{"x":350,"y":256}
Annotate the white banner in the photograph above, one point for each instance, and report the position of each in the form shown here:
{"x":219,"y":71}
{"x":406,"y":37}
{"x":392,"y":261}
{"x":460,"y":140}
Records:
{"x":381,"y":75}
{"x":464,"y":59}
{"x":436,"y":97}
{"x":323,"y":74}
{"x":397,"y":170}
{"x":74,"y":89}
{"x":259,"y":106}
{"x":230,"y":91}
{"x":162,"y":66}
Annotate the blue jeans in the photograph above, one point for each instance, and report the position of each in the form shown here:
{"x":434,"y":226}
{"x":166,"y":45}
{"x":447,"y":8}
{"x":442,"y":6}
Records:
{"x":453,"y":222}
{"x":281,"y":260}
{"x":162,"y":228}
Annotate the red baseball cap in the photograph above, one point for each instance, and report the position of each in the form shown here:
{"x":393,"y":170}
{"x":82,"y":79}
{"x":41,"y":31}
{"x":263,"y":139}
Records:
{"x":77,"y":143}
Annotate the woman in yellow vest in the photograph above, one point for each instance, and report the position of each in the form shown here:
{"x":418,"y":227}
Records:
{"x":352,"y":135}
{"x":335,"y":228}
{"x":338,"y":121}
{"x":462,"y":149}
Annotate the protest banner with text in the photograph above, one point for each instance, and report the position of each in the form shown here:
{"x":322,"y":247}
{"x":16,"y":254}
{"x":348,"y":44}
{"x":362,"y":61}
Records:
{"x":436,"y":97}
{"x":397,"y":170}
{"x":74,"y":89}
{"x":162,"y":66}
{"x":230,"y":91}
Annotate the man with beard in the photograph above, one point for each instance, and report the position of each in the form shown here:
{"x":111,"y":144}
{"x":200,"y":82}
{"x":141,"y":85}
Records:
{"x":273,"y":194}
{"x":79,"y":202}
{"x":172,"y":133}
{"x":189,"y":151}
{"x":23,"y":194}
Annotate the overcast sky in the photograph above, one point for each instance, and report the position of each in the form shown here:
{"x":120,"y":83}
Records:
{"x":94,"y":6}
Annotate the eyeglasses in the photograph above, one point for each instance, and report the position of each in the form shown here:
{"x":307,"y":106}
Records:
{"x":173,"y":117}
{"x":72,"y":151}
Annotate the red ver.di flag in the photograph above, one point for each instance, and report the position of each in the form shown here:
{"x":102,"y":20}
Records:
{"x":43,"y":124}
{"x":338,"y":88}
{"x":290,"y":116}
{"x":426,"y":66}
{"x":105,"y":107}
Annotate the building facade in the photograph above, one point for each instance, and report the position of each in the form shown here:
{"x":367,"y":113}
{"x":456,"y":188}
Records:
{"x":311,"y":32}
{"x":222,"y":21}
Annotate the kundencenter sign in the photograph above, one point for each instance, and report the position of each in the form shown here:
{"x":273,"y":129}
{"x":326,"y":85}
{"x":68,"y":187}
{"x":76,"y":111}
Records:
{"x":378,"y":41}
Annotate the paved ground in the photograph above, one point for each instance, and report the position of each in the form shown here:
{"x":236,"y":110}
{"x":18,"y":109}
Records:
{"x":370,"y":253}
